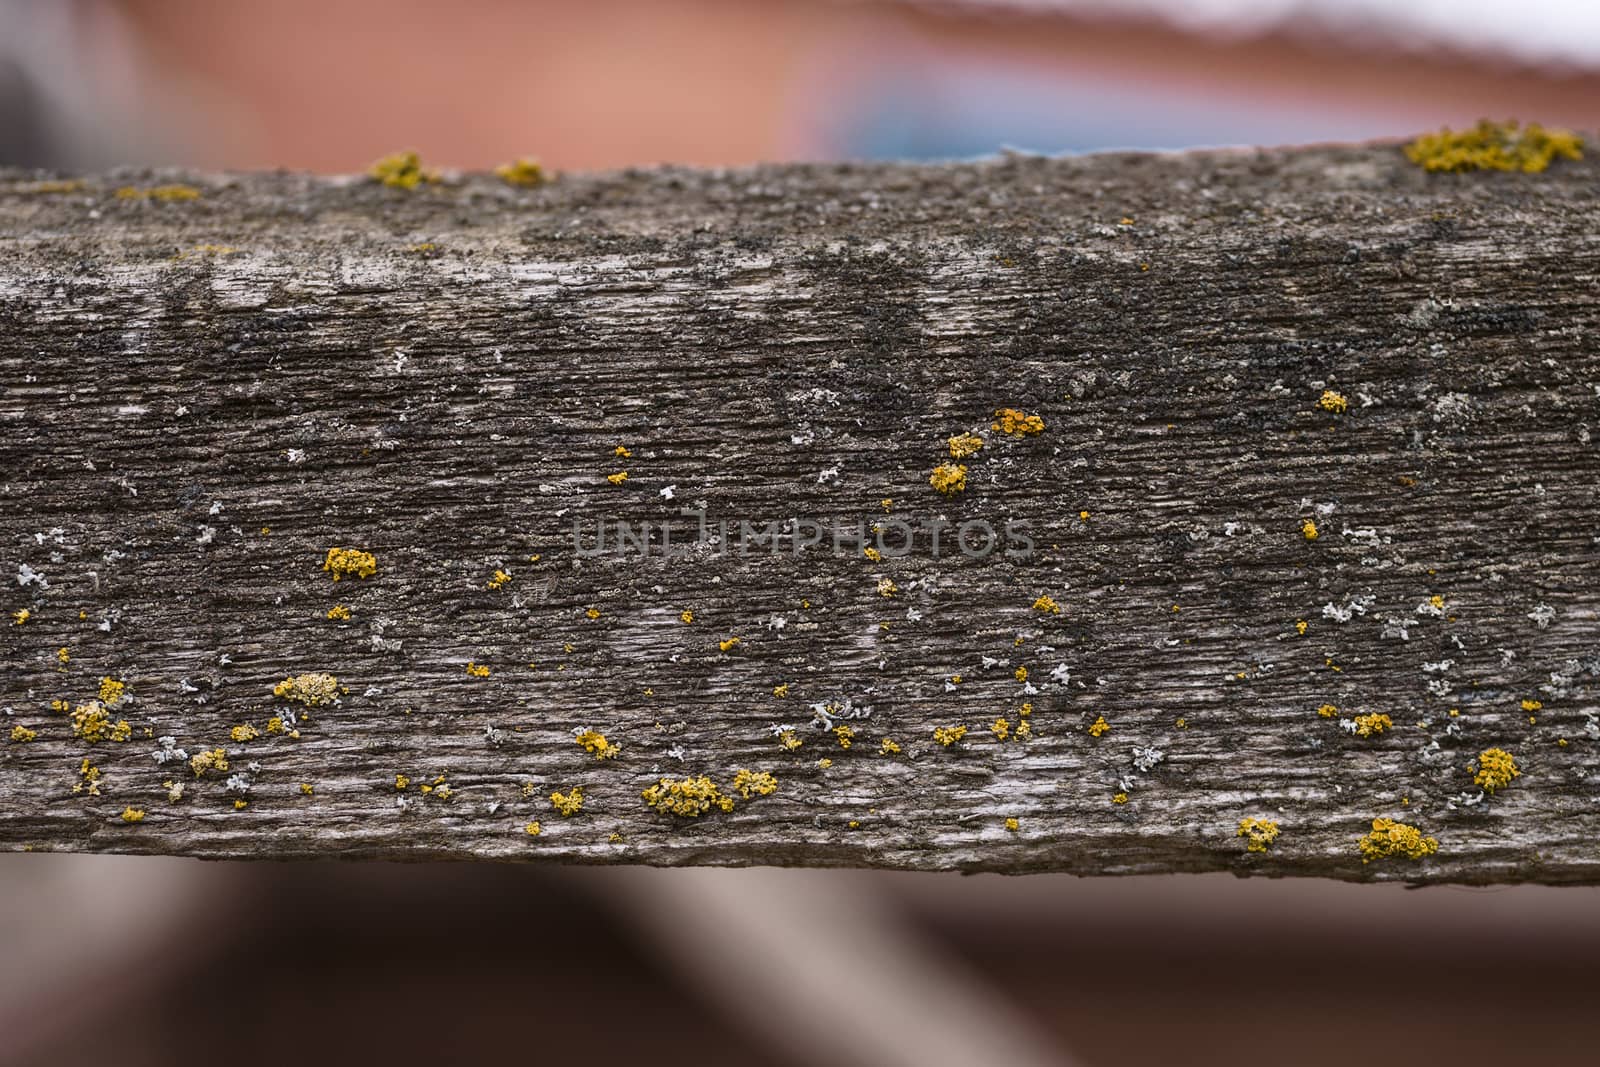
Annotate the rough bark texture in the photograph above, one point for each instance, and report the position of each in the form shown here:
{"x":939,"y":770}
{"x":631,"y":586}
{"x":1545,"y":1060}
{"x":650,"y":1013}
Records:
{"x":201,"y":397}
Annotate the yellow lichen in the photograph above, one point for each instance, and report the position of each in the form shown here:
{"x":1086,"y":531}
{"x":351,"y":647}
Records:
{"x":758,"y":783}
{"x":948,"y":478}
{"x":617,"y":478}
{"x":1047,"y":605}
{"x":1261,"y":832}
{"x":1332,"y":401}
{"x":594,"y":742}
{"x":313,"y":689}
{"x":477,"y":670}
{"x":240,"y":805}
{"x":63,"y":655}
{"x":93,"y":723}
{"x":88,"y":779}
{"x":524,"y":171}
{"x":1495,"y":769}
{"x":1391,"y":838}
{"x":789,"y":740}
{"x":873,"y":554}
{"x":886,"y":587}
{"x":20,"y":616}
{"x":1099,"y":726}
{"x":244,"y":733}
{"x":402,"y":170}
{"x":22,"y":735}
{"x":1532,"y":705}
{"x":216,"y":760}
{"x":686,"y":616}
{"x":569,"y":803}
{"x":111,"y":690}
{"x":964,"y":445}
{"x":343,"y":562}
{"x":533,"y":829}
{"x":689,"y":797}
{"x":728,"y":644}
{"x":1020,"y":674}
{"x":1301,"y":626}
{"x":1119,"y":798}
{"x":1494,"y":146}
{"x":307,"y":789}
{"x":781,"y":690}
{"x":163,"y":193}
{"x":1014,"y":423}
{"x":1372,"y":723}
{"x":499,"y":580}
{"x":1013,"y":825}
{"x":339,"y":613}
{"x":275,"y":725}
{"x":132,"y":815}
{"x":845,"y":734}
{"x":401,"y":781}
{"x":949,"y":735}
{"x":1328,"y":711}
{"x":1001,"y":729}
{"x":887,"y":747}
{"x":1309,"y":530}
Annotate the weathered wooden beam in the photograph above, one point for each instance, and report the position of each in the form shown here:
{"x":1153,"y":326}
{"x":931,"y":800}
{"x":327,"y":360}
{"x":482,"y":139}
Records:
{"x":1226,"y":353}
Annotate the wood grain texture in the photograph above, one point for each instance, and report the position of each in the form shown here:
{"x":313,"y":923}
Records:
{"x":199,"y":398}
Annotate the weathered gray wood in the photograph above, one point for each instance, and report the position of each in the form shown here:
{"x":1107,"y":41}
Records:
{"x":188,"y":430}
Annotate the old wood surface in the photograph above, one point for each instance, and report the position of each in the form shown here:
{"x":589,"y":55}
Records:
{"x":200,"y":397}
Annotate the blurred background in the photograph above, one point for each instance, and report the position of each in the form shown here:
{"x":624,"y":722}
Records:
{"x":123,"y":960}
{"x":330,"y":85}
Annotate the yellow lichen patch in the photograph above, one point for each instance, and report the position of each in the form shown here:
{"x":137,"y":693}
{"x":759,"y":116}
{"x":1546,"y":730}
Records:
{"x":569,"y":803}
{"x":275,"y":725}
{"x":499,"y":580}
{"x":111,"y":690}
{"x":307,"y":789}
{"x":1020,"y":674}
{"x":401,"y":781}
{"x":886,"y":587}
{"x":1494,"y":146}
{"x":313,"y":689}
{"x":845,"y":735}
{"x":1374,"y":722}
{"x":1119,"y":798}
{"x":93,"y":723}
{"x":240,"y":805}
{"x":214,"y":761}
{"x":533,"y":829}
{"x":20,"y":616}
{"x":1001,"y":729}
{"x":1332,"y":401}
{"x":728,"y":644}
{"x":689,"y":797}
{"x":174,"y":790}
{"x":1099,"y":727}
{"x":887,"y":747}
{"x":1532,"y":705}
{"x":594,"y":742}
{"x":1391,"y":838}
{"x":132,"y":815}
{"x":1308,"y":530}
{"x":873,"y":554}
{"x":949,"y":735}
{"x":1013,"y":825}
{"x":592,"y":614}
{"x":524,"y":171}
{"x":948,"y":478}
{"x":63,"y":655}
{"x":1301,"y":626}
{"x":824,"y":763}
{"x":781,"y":690}
{"x":244,"y":733}
{"x":1328,"y":711}
{"x":22,"y":735}
{"x":1261,"y":833}
{"x":1047,"y":605}
{"x":789,"y":740}
{"x":339,"y":613}
{"x":1014,"y":423}
{"x":964,"y":445}
{"x":402,"y":170}
{"x":1495,"y":768}
{"x":618,"y":478}
{"x":164,"y":193}
{"x":53,"y":186}
{"x":753,"y":783}
{"x":687,"y":617}
{"x":477,"y":670}
{"x":343,"y":562}
{"x":88,"y":779}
